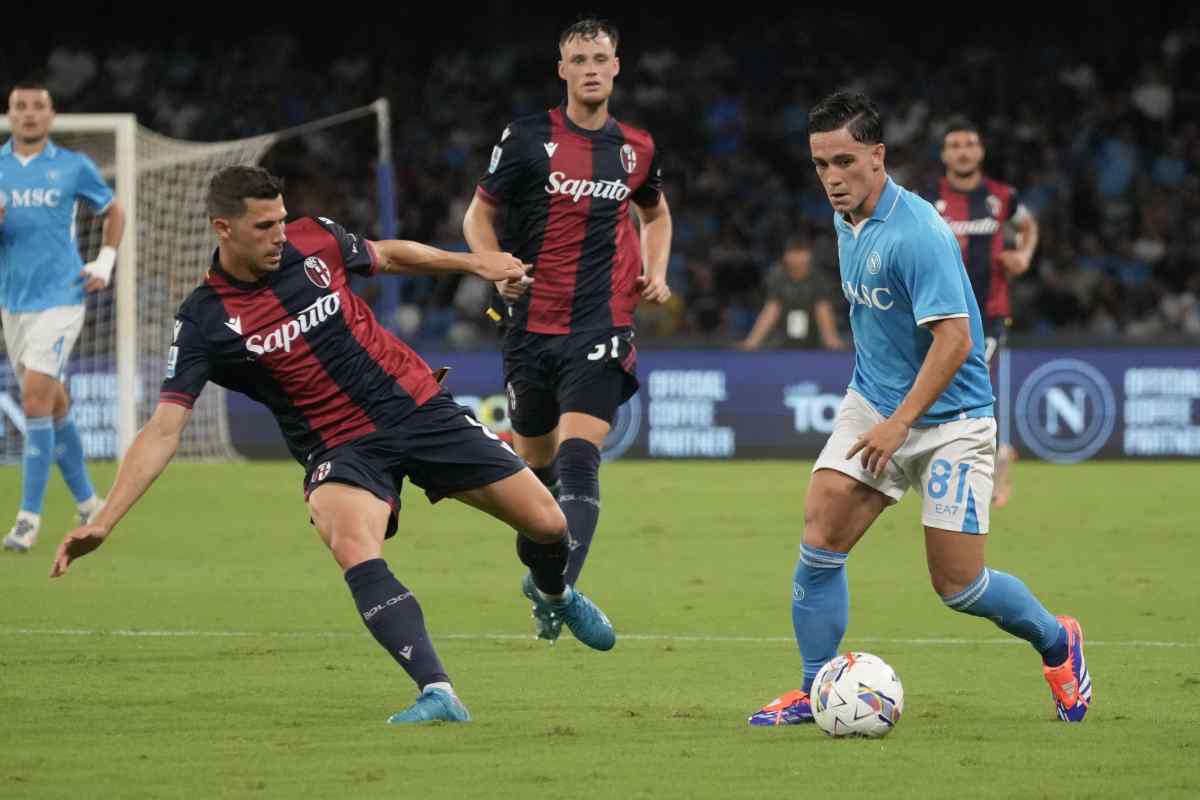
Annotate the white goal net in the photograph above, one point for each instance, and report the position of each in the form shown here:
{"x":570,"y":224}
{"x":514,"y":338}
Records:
{"x":117,"y":366}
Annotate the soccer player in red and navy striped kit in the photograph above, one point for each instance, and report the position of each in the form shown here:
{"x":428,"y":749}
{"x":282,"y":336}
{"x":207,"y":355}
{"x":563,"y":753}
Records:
{"x":977,"y":208}
{"x":276,"y":320}
{"x":558,"y":194}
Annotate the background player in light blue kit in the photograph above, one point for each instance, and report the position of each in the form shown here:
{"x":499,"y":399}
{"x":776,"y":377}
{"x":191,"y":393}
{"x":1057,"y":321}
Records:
{"x":42,"y":286}
{"x":918,"y":412}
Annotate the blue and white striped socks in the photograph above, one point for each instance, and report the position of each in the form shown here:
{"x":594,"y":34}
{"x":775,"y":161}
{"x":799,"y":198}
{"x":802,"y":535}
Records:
{"x":1006,"y":601}
{"x":35,"y":462}
{"x":820,"y":607}
{"x":68,"y":452}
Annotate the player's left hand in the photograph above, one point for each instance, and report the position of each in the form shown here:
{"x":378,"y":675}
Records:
{"x":1015,"y":262}
{"x":654,"y":290}
{"x":879,"y":444}
{"x":77,"y":544}
{"x":98,"y":273}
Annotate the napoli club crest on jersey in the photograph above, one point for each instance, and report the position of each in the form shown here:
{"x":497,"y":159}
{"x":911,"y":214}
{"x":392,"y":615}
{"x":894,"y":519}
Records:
{"x":317,"y":272}
{"x":628,"y":158}
{"x":874,"y":263}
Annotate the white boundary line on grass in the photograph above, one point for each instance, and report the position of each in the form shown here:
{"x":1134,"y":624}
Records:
{"x":635,"y":637}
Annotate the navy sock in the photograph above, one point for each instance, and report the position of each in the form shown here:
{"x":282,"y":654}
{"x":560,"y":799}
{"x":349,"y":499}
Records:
{"x":1006,"y":601}
{"x":394,"y":618}
{"x":546,"y":562}
{"x":548,"y":475}
{"x":820,"y":607}
{"x":579,"y":465}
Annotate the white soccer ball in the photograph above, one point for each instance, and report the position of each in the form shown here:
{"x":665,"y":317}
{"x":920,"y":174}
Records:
{"x":857,"y":694}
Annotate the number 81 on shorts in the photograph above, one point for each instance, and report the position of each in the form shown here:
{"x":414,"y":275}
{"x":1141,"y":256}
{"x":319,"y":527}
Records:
{"x":957,"y":495}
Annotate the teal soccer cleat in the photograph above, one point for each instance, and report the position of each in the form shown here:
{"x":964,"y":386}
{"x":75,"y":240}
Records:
{"x":433,"y":704}
{"x":586,"y":621}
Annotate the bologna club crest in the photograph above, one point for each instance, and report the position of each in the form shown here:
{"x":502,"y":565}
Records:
{"x":317,"y":272}
{"x":628,"y":158}
{"x":322,"y":472}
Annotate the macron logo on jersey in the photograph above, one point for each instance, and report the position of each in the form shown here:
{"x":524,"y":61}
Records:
{"x":575,"y":188}
{"x":550,"y":148}
{"x":282,"y":337}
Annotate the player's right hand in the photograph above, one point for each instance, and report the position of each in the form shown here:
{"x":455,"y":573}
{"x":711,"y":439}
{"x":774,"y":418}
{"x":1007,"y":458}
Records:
{"x":499,"y":267}
{"x":511,"y":286}
{"x":78,"y":543}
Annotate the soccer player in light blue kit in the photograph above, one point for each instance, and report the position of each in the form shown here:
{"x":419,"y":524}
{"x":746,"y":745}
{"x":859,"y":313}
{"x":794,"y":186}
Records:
{"x":918,"y":413}
{"x":42,"y":285}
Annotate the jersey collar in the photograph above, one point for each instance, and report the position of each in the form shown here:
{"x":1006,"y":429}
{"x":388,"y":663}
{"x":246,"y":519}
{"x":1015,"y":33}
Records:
{"x":883,"y":209}
{"x":49,"y":151}
{"x":216,"y":271}
{"x":573,"y":128}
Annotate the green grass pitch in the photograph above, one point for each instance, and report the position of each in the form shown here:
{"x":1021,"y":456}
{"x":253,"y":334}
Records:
{"x":211,"y":648}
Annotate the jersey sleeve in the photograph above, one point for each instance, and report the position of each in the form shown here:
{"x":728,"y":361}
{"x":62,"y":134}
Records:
{"x":358,"y":254}
{"x":189,"y":364}
{"x":92,"y":187}
{"x":931,"y":269}
{"x":506,"y":168}
{"x":648,"y":193}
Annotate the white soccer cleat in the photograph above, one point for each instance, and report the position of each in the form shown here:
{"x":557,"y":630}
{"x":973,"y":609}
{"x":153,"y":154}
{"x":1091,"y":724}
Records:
{"x":22,"y":537}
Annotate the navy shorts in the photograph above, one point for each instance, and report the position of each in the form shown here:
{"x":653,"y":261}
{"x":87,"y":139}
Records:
{"x":547,"y":375}
{"x":440,"y":447}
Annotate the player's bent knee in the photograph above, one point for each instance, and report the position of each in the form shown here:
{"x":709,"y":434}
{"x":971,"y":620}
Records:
{"x":546,"y":522}
{"x":948,"y":583}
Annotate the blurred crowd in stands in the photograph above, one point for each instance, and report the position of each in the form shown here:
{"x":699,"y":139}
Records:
{"x":1099,"y":130}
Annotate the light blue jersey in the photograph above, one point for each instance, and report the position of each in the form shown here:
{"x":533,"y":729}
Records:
{"x":901,"y":269}
{"x":39,"y":257}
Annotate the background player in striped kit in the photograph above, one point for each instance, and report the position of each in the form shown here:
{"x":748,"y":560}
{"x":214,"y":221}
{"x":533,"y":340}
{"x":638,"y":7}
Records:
{"x":557,"y":195}
{"x":42,"y":286}
{"x":978,"y":210}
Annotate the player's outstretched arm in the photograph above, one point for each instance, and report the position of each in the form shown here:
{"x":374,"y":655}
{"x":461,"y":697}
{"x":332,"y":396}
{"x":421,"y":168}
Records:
{"x":656,"y":250}
{"x":422,"y":259}
{"x":148,"y":456}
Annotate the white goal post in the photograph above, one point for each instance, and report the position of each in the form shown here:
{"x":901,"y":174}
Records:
{"x":118,"y":362}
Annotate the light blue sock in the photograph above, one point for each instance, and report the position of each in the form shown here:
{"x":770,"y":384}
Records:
{"x":1006,"y":601}
{"x":68,"y":452}
{"x":36,"y":462}
{"x":820,"y":607}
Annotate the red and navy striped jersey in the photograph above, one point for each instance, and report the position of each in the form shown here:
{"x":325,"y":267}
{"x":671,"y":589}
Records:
{"x":977,"y":219}
{"x":564,"y":194}
{"x":300,"y":342}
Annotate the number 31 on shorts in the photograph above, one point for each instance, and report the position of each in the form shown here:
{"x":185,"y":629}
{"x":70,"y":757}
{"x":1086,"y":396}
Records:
{"x":598,"y":353}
